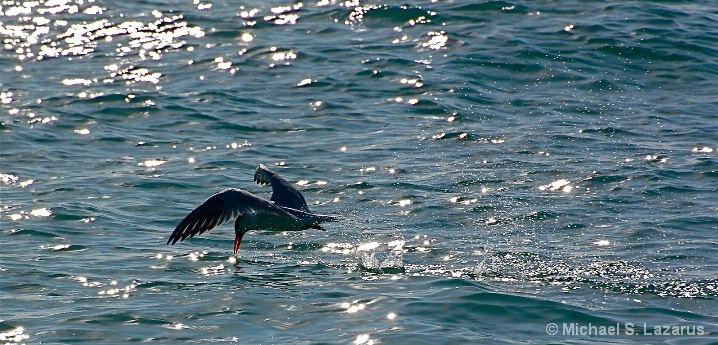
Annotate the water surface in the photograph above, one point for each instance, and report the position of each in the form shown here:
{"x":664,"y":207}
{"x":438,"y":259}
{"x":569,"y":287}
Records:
{"x":500,"y":167}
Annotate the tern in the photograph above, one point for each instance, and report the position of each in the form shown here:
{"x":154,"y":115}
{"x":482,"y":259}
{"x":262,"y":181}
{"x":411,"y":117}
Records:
{"x":286,"y":210}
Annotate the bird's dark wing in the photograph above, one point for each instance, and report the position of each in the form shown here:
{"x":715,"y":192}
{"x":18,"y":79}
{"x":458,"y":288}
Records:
{"x":221,"y":208}
{"x":283,"y":194}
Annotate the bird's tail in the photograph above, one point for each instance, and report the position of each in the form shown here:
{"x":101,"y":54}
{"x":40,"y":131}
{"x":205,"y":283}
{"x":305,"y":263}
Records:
{"x":323,"y":218}
{"x":329,"y":218}
{"x":311,"y":219}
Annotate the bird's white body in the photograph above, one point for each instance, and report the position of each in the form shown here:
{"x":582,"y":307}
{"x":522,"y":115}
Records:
{"x":285,"y":211}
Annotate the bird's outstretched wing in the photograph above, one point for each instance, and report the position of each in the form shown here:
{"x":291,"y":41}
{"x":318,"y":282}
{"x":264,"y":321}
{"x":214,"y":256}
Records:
{"x":221,"y":208}
{"x":283,"y":194}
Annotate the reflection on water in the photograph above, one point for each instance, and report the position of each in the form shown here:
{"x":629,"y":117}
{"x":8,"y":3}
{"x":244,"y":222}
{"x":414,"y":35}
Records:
{"x":364,"y":339}
{"x":558,"y":185}
{"x":455,"y":155}
{"x":38,"y":213}
{"x":213,"y":270}
{"x":353,"y":307}
{"x":109,"y":288}
{"x":14,"y":336}
{"x":704,"y":149}
{"x":437,"y":40}
{"x":43,"y":30}
{"x":6,"y":97}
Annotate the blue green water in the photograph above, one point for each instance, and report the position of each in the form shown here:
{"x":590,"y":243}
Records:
{"x":502,"y":167}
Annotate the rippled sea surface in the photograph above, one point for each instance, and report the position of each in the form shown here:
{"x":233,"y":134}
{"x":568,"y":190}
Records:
{"x":502,"y":167}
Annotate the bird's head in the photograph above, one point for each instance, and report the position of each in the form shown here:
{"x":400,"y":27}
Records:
{"x":239,"y":232}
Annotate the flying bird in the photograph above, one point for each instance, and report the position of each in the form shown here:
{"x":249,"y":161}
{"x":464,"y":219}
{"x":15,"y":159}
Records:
{"x":286,"y":210}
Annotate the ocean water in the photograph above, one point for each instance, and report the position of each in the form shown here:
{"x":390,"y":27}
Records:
{"x":508,"y":172}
